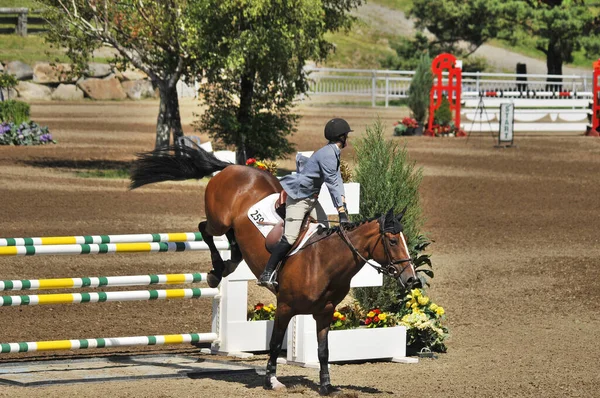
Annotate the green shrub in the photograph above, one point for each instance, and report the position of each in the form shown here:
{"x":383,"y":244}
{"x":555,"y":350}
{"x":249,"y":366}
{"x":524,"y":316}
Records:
{"x":443,"y":114}
{"x":388,"y":179}
{"x":420,"y":87}
{"x":13,"y":111}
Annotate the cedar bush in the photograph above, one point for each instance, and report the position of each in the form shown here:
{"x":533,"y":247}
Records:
{"x":443,"y":114}
{"x":388,"y":179}
{"x":420,"y":87}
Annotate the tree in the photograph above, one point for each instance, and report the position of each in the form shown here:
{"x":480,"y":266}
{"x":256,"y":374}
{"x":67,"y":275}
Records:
{"x":558,"y":27}
{"x":154,"y":36}
{"x":257,"y":51}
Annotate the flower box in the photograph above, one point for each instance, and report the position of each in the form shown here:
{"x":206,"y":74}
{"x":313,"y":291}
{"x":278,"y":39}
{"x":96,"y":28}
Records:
{"x":345,"y":345}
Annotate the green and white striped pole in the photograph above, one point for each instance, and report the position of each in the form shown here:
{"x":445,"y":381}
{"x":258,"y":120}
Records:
{"x":102,"y":297}
{"x":56,"y":345}
{"x":100,"y":281}
{"x":97,"y":239}
{"x":102,"y":248}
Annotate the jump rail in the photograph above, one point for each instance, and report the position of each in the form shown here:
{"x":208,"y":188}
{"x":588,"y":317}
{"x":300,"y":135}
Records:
{"x":56,"y":345}
{"x":97,"y":239}
{"x":145,"y":247}
{"x":99,"y":281}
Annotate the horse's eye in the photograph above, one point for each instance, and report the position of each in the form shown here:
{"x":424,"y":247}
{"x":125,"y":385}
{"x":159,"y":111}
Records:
{"x":393,"y":241}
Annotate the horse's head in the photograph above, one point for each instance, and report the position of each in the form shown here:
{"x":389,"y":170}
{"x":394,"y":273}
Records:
{"x":394,"y":255}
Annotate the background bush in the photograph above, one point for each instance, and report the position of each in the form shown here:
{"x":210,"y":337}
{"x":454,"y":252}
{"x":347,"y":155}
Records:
{"x":12,"y":111}
{"x":388,"y":179}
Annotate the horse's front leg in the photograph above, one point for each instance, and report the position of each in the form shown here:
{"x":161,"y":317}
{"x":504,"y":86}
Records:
{"x":282,"y":319}
{"x":323,"y":324}
{"x":214,"y":276}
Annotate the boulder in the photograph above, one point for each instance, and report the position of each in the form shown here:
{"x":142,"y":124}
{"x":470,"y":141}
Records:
{"x":138,"y":89}
{"x":20,"y":70}
{"x":10,"y":94}
{"x":32,"y":91}
{"x":132,"y":74}
{"x":44,"y":73}
{"x":67,"y":92}
{"x":102,"y":89}
{"x":98,"y":70}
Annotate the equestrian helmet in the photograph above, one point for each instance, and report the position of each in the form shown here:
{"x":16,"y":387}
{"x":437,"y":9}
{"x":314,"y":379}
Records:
{"x":336,"y":128}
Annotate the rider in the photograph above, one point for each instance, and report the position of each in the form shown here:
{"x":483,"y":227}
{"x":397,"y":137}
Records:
{"x":303,"y":190}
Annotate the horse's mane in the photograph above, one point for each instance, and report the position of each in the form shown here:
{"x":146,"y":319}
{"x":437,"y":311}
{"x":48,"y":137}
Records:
{"x":348,"y":226}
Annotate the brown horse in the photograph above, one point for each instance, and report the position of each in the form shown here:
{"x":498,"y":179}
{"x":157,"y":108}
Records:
{"x":313,"y":281}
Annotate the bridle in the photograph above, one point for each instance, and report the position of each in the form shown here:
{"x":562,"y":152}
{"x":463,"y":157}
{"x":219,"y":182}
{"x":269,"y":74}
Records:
{"x":389,"y":269}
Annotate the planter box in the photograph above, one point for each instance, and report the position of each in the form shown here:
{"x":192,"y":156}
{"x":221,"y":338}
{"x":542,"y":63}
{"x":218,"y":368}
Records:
{"x":345,"y":345}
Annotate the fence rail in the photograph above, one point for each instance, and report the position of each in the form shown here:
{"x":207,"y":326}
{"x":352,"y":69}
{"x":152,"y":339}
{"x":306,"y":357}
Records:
{"x":392,"y":85}
{"x":21,"y":18}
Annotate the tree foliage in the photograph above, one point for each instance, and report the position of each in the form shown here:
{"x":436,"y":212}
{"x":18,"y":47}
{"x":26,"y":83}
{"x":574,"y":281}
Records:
{"x":559,"y":27}
{"x":154,"y":36}
{"x":256,"y":52}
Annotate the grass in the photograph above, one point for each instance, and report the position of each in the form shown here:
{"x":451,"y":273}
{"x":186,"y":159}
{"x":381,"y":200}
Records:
{"x":28,"y":49}
{"x":19,"y":4}
{"x":403,"y":5}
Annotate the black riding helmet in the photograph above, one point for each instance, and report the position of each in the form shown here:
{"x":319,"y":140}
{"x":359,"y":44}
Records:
{"x":335,"y":128}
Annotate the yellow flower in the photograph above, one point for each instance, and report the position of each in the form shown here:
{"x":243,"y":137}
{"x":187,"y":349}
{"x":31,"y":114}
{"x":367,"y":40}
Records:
{"x":337,"y":315}
{"x":415,"y":292}
{"x":382,"y":316}
{"x":408,"y":304}
{"x":371,"y":314}
{"x":433,"y":307}
{"x":271,"y":306}
{"x":423,"y":300}
{"x":414,"y":305}
{"x":440,"y":311}
{"x":268,"y":309}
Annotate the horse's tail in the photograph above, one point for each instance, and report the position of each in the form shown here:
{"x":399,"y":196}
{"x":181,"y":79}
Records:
{"x":174,"y":163}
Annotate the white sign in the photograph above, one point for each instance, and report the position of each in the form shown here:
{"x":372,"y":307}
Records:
{"x":507,"y":113}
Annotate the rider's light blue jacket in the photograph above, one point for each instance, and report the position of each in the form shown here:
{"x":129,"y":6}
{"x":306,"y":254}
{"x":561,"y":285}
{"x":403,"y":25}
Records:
{"x":322,"y":167}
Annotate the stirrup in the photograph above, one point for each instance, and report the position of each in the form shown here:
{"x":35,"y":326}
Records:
{"x":271,"y":283}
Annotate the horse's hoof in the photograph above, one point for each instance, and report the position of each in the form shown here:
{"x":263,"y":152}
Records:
{"x":229,"y":267}
{"x":329,"y":390}
{"x":271,"y":383}
{"x":213,"y":280}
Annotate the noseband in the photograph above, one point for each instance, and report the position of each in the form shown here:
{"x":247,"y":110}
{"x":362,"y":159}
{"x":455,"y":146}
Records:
{"x":389,"y":269}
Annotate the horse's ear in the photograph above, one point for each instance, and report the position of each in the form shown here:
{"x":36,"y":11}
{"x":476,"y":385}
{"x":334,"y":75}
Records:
{"x":389,"y":216}
{"x":402,"y":213}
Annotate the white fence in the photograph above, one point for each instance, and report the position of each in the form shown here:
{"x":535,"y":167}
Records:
{"x":386,"y":85}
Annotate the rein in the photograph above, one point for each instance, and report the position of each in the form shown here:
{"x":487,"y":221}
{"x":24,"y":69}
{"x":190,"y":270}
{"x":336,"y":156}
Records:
{"x":389,"y":270}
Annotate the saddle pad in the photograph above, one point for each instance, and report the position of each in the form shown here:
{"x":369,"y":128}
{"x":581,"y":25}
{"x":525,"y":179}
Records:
{"x":264,"y":212}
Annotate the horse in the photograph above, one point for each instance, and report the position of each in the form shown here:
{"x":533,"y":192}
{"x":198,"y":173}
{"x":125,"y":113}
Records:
{"x":312,"y":281}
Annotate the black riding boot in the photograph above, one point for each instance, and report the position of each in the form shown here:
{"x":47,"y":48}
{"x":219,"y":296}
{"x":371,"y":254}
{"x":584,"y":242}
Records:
{"x":277,"y":254}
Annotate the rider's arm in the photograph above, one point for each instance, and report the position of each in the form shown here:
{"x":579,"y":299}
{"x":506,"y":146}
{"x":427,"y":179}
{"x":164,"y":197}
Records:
{"x":333,"y":179}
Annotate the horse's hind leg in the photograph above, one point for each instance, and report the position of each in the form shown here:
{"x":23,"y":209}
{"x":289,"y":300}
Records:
{"x":215,"y":275}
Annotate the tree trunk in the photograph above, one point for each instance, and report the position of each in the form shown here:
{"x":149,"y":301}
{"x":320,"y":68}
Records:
{"x":169,"y":119}
{"x":554,"y":62}
{"x":246,"y":96}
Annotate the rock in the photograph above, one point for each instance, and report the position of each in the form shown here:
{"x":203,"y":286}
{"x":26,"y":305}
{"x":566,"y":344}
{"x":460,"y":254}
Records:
{"x":20,"y":70}
{"x":11,"y":94}
{"x":43,"y":72}
{"x":139,"y":89}
{"x":133,"y":74}
{"x":102,"y":89}
{"x":67,"y":92}
{"x":98,"y":70}
{"x":32,"y":91}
